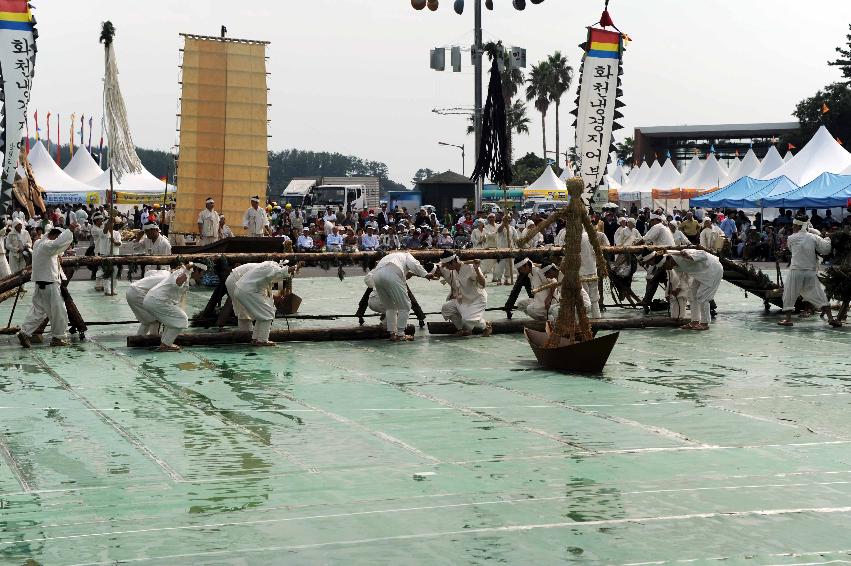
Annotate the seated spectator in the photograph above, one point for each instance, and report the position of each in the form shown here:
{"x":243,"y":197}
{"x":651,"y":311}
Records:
{"x":369,"y":241}
{"x":334,"y":241}
{"x":304,"y":242}
{"x":445,"y":240}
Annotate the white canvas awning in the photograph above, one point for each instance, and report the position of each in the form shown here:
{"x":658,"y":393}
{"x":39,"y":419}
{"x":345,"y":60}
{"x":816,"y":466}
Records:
{"x":822,"y":154}
{"x":667,"y":178}
{"x":82,"y":166}
{"x":770,"y":162}
{"x":548,"y":181}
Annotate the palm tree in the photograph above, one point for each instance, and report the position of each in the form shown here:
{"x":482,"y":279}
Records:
{"x":561,"y":75}
{"x":538,"y":90}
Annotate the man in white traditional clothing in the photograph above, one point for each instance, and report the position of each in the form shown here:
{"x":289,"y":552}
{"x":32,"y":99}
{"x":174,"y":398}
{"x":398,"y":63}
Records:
{"x":657,"y":235}
{"x":224,"y":229}
{"x":680,"y":239}
{"x":506,"y":237}
{"x":465,"y":306}
{"x":489,"y":230}
{"x":711,"y":237}
{"x":588,"y":274}
{"x":208,"y":223}
{"x":545,"y":304}
{"x":252,"y":296}
{"x":5,"y":270}
{"x":106,"y":241}
{"x":806,"y":244}
{"x":151,"y":242}
{"x":389,"y":279}
{"x":47,"y":300}
{"x":705,"y":273}
{"x":19,"y":243}
{"x":536,"y":240}
{"x":163,"y":302}
{"x":254,"y":220}
{"x":136,"y":293}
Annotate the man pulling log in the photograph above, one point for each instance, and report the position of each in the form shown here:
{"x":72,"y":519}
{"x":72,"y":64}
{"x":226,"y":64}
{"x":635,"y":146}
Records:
{"x":465,"y":306}
{"x":136,"y":293}
{"x":250,"y":289}
{"x":806,"y":244}
{"x":163,"y":302}
{"x":544,"y":303}
{"x":704,"y":275}
{"x":47,"y":300}
{"x":389,"y":279}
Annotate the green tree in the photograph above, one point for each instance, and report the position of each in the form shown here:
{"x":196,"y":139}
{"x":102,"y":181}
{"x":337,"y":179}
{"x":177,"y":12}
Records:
{"x":538,"y":92}
{"x":422,"y":175}
{"x":561,"y":76}
{"x":625,"y":150}
{"x":837,"y":98}
{"x":528,"y":168}
{"x":844,"y":60}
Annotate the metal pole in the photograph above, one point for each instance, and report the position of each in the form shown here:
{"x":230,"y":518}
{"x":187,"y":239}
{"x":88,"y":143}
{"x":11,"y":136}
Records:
{"x":477,"y":117}
{"x":463,"y":161}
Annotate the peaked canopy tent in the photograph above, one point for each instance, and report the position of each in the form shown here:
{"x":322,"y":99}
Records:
{"x":745,"y":193}
{"x":638,"y":174}
{"x":619,"y":175}
{"x":691,"y":170}
{"x":59,"y":187}
{"x":733,"y":169}
{"x":770,"y":162}
{"x":136,"y":188}
{"x":82,"y":166}
{"x":652,"y":174}
{"x":750,"y":163}
{"x":828,"y":190}
{"x":822,"y":154}
{"x":548,"y":185}
{"x":788,"y":157}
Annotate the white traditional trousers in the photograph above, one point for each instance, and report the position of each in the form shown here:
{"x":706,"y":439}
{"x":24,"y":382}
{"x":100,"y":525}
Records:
{"x":803,"y":283}
{"x":47,"y":303}
{"x":148,"y":324}
{"x":392,"y":290}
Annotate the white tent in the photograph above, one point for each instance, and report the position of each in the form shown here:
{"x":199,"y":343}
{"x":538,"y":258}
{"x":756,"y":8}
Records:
{"x":652,"y":174}
{"x":750,"y":163}
{"x":638,"y":174}
{"x":548,"y":181}
{"x":846,"y":172}
{"x":58,"y":186}
{"x":137,"y":183}
{"x":619,"y":175}
{"x":691,"y":170}
{"x":566,"y":174}
{"x":733,"y":169}
{"x":667,"y":178}
{"x":82,"y":166}
{"x":788,"y":157}
{"x":822,"y":154}
{"x":711,"y":176}
{"x":770,"y":162}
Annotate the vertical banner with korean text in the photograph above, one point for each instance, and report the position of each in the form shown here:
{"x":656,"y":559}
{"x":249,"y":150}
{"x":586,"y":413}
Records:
{"x":17,"y":63}
{"x":597,"y":107}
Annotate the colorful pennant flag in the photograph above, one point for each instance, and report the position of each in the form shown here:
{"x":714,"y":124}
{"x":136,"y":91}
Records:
{"x":37,"y":129}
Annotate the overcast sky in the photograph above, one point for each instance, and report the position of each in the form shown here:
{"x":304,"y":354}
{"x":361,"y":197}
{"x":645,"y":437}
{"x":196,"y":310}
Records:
{"x":352,"y":75}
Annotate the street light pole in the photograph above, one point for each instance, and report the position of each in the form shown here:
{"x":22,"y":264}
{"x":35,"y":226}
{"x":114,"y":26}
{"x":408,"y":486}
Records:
{"x":463,"y":155}
{"x":477,"y":116}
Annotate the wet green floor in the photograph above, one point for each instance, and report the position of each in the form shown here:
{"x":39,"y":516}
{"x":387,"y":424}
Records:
{"x":694,"y":447}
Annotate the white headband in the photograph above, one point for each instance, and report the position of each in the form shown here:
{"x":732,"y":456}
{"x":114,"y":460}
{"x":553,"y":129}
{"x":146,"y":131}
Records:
{"x":797,"y":222}
{"x":199,"y":266}
{"x":449,"y":259}
{"x":255,"y":199}
{"x":209,"y":201}
{"x":655,"y":217}
{"x":521,"y":262}
{"x":548,"y":267}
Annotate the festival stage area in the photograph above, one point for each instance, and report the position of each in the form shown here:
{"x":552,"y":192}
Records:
{"x":733,"y":444}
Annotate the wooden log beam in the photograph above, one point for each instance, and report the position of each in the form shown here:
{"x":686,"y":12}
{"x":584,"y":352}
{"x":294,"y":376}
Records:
{"x":295,"y":335}
{"x":7,"y":331}
{"x":516,"y":326}
{"x":537,"y":254}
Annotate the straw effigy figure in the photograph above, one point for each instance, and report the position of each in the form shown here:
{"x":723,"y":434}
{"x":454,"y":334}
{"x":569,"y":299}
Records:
{"x":572,"y":322}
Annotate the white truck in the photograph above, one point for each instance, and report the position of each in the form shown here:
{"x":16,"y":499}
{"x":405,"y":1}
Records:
{"x":340,"y":193}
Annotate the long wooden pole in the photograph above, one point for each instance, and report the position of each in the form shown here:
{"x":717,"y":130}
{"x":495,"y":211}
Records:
{"x":517,"y":326}
{"x":537,"y":254}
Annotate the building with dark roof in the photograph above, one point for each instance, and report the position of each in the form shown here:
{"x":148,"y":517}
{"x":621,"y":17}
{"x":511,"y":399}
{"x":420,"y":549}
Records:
{"x":445,"y":190}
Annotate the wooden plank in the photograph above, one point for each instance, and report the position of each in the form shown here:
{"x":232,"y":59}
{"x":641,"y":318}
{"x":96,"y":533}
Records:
{"x":297,"y":335}
{"x":517,"y":326}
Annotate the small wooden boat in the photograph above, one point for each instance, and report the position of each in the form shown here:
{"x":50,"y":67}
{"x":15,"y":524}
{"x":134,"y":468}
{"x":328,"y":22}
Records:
{"x":581,"y":357}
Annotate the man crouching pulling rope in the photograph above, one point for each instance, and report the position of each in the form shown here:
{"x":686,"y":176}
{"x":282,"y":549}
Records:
{"x":468,"y":299}
{"x":389,"y":280}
